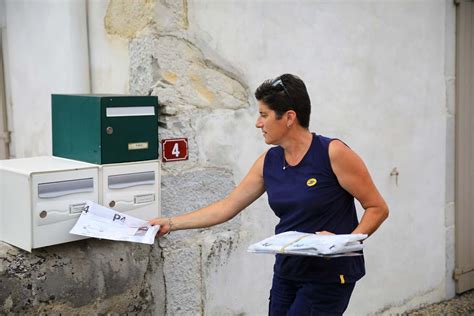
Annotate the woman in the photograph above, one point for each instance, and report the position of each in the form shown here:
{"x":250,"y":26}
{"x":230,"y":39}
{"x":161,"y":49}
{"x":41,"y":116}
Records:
{"x":311,"y":182}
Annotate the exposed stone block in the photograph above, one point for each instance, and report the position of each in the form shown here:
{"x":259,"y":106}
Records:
{"x":171,"y":15}
{"x":126,"y":18}
{"x":194,"y":189}
{"x":182,"y":271}
{"x":144,"y":68}
{"x":181,"y":77}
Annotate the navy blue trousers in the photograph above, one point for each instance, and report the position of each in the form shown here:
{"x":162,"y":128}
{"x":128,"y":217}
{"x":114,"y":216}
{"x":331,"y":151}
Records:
{"x":294,"y":298}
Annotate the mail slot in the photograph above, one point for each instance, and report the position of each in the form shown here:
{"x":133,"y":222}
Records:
{"x":105,"y":129}
{"x":132,"y":188}
{"x":41,"y":199}
{"x":121,"y":181}
{"x":61,"y":188}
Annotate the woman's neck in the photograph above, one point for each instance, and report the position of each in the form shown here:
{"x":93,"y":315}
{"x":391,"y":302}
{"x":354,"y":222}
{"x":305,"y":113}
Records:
{"x":297,"y":144}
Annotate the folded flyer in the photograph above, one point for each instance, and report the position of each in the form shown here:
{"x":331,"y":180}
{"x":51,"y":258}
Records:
{"x":305,"y":244}
{"x":104,"y":223}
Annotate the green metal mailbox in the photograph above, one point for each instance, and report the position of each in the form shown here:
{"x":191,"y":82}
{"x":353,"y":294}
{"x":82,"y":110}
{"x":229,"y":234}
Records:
{"x":103,"y":129}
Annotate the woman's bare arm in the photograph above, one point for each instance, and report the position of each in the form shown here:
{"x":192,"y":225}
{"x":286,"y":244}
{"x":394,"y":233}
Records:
{"x":354,"y":177}
{"x":250,"y":189}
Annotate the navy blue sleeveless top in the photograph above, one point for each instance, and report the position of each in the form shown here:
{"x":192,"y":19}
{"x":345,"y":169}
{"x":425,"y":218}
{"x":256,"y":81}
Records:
{"x":308,"y":198}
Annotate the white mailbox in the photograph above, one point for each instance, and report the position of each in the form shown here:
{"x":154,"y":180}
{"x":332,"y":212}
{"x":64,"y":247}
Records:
{"x":41,"y":199}
{"x":132,"y":188}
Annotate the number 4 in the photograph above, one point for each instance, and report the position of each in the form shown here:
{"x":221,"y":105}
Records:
{"x":175,"y":150}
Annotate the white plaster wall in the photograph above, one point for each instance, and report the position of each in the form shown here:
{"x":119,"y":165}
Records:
{"x":2,"y":13}
{"x":375,"y":72}
{"x":46,"y":52}
{"x":449,"y":71}
{"x":109,"y":58}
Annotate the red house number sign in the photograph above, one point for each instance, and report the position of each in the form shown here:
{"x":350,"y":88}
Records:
{"x":174,"y":149}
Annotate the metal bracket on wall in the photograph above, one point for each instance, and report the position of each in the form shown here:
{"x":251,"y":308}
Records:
{"x":458,"y":272}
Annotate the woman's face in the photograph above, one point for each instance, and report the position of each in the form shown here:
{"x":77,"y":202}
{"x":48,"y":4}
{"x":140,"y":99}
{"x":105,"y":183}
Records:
{"x":273,"y":129}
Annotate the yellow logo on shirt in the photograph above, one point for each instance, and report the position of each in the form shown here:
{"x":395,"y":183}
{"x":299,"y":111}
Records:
{"x":311,"y":182}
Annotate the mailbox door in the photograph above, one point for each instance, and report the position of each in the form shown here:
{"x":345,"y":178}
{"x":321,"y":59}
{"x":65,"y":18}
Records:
{"x":58,"y":200}
{"x":132,"y":188}
{"x":129,"y":129}
{"x":75,"y":127}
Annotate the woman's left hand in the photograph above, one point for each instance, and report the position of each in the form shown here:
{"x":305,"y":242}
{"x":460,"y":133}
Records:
{"x":324,"y":232}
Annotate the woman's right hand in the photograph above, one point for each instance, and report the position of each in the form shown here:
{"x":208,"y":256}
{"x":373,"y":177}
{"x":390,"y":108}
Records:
{"x":165,"y":225}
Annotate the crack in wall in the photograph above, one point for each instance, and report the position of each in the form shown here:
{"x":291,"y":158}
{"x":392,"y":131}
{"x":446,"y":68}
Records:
{"x":162,"y":255}
{"x":201,"y":275}
{"x":185,"y":14}
{"x":145,"y":283}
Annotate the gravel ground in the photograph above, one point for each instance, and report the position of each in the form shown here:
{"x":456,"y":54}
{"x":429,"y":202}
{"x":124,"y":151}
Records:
{"x":460,"y":305}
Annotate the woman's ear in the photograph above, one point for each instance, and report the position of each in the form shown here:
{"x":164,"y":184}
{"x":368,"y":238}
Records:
{"x":290,"y":118}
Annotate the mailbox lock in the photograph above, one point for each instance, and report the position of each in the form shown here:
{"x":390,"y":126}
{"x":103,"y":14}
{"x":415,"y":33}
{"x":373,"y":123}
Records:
{"x":112,"y":203}
{"x":43,"y":214}
{"x":109,"y":130}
